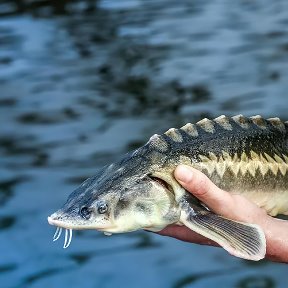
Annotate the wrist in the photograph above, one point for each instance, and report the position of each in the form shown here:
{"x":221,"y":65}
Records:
{"x":276,"y":231}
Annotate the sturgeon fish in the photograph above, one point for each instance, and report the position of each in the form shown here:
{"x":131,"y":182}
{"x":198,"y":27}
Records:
{"x":247,"y":156}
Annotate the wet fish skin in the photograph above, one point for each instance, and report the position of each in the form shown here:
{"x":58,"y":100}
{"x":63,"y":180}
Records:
{"x":239,"y":154}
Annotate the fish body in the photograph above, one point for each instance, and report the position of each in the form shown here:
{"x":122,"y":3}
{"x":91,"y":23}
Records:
{"x":247,"y":156}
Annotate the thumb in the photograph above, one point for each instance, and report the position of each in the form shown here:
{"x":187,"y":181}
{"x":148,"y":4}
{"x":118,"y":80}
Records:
{"x":204,"y":189}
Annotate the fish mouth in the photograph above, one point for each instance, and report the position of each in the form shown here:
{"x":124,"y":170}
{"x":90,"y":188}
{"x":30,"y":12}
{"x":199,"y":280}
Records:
{"x":162,"y":183}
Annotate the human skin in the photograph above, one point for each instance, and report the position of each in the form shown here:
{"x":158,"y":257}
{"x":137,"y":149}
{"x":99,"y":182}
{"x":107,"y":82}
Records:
{"x":231,"y":206}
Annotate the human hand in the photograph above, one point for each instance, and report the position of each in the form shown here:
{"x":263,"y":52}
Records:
{"x":232,"y":206}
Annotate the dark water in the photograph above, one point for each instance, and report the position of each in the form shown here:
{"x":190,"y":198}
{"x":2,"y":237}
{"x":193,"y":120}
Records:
{"x":81,"y":84}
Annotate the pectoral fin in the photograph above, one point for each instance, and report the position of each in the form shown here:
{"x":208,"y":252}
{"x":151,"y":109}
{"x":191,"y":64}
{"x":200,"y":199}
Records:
{"x":239,"y":239}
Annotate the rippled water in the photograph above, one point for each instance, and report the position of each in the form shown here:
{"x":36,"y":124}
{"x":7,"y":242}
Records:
{"x":80,"y":89}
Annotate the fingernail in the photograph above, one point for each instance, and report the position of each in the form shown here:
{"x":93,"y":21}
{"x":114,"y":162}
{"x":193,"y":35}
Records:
{"x":183,"y":173}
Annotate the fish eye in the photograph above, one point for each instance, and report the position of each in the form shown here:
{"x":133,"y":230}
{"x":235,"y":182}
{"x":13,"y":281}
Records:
{"x":102,"y":208}
{"x":85,"y":212}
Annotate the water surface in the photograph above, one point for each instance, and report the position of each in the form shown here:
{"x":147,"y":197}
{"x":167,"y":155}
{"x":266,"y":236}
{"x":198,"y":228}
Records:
{"x":82,"y":84}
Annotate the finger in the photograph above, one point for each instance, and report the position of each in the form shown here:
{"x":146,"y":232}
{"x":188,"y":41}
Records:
{"x":204,"y":189}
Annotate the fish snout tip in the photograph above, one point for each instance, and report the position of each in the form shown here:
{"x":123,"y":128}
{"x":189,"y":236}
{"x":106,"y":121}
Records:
{"x":50,"y":220}
{"x":53,"y":218}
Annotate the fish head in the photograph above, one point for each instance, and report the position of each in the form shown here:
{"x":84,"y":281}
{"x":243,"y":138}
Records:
{"x":121,"y":197}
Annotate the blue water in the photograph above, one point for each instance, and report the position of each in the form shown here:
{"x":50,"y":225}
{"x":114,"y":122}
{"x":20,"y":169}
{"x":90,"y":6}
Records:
{"x":79,"y":90}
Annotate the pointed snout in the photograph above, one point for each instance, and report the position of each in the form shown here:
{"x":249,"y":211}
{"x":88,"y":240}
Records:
{"x":62,"y":220}
{"x":55,"y":219}
{"x":51,"y":220}
{"x":60,"y":223}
